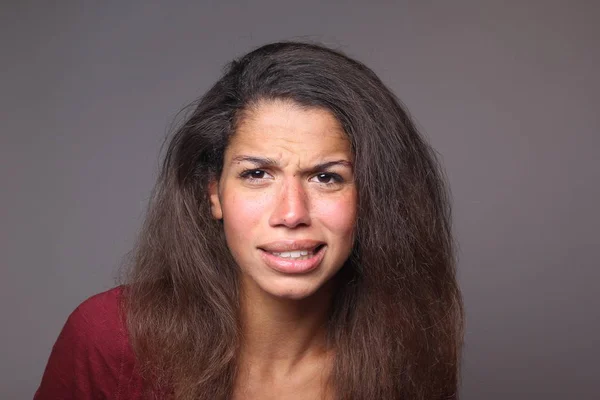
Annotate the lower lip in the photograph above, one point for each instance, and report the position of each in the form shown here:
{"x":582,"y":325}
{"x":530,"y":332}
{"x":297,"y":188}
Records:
{"x":291,"y":266}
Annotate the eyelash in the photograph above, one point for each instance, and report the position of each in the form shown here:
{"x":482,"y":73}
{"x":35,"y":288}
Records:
{"x":335,"y":178}
{"x":247,"y":174}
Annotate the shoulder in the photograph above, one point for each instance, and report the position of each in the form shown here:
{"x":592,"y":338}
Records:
{"x":97,"y":326}
{"x":99,"y":317}
{"x":92,"y":355}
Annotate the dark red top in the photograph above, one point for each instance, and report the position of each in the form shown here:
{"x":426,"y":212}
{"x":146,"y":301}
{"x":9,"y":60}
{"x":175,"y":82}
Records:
{"x":92,"y":357}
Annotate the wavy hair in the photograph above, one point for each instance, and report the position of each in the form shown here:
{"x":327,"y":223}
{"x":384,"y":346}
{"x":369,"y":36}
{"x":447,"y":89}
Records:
{"x":396,"y":321}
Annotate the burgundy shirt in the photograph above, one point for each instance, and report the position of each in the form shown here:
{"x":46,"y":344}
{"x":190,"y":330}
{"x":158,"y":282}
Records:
{"x":92,"y":357}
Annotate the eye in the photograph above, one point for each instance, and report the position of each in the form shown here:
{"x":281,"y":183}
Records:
{"x":327,"y":178}
{"x":254,"y":174}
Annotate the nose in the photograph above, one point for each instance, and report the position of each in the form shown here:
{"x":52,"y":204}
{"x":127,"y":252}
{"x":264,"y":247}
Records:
{"x":291,"y":206}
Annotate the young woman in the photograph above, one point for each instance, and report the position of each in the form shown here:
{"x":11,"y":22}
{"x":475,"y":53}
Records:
{"x":298,"y":246}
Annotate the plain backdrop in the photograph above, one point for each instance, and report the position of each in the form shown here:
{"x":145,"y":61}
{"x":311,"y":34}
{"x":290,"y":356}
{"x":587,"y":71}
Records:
{"x":506,"y":91}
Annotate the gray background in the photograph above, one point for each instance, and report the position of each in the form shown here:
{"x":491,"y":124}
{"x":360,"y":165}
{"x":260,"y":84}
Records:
{"x":507,"y":91}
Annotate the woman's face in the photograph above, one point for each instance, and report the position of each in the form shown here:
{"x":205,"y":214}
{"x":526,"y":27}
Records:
{"x":287,"y":198}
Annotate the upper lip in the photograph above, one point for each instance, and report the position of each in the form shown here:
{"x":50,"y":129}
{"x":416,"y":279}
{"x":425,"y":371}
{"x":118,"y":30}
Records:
{"x":290,"y":245}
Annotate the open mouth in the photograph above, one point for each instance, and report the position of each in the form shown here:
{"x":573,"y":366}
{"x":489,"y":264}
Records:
{"x":303,"y":254}
{"x":294,"y":257}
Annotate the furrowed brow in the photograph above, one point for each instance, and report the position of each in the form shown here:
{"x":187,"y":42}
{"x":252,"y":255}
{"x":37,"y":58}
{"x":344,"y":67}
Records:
{"x":327,"y":165}
{"x":258,"y":161}
{"x":264,"y":162}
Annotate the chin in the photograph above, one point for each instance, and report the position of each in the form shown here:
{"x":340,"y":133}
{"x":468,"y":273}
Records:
{"x":290,"y":286}
{"x":291,"y":290}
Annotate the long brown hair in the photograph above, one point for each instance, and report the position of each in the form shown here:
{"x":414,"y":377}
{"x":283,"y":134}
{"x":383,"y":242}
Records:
{"x":396,"y":321}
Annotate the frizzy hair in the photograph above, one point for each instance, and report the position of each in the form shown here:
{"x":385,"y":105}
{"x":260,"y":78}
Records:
{"x":396,"y":320}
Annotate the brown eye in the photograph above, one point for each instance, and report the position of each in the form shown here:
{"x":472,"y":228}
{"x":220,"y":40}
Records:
{"x":257,"y":174}
{"x":327,"y":178}
{"x":252,"y":174}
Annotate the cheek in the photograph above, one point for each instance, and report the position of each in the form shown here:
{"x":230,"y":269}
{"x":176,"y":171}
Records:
{"x":242,"y":214}
{"x":338,"y":215}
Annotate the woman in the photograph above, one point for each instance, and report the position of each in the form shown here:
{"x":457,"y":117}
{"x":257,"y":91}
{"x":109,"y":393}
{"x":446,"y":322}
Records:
{"x":297,"y":246}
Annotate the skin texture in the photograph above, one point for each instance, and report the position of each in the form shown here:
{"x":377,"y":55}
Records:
{"x":286,"y":200}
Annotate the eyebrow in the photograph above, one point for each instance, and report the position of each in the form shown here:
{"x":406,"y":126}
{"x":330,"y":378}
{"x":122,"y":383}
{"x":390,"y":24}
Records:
{"x":265,"y":162}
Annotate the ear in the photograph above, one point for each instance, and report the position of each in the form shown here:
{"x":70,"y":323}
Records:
{"x":215,"y":202}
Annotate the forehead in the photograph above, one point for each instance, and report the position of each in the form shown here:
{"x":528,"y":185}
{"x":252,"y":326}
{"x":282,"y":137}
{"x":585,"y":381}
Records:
{"x":283,"y":126}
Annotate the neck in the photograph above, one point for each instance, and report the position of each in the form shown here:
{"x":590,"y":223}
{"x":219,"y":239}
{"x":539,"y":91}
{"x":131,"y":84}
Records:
{"x":279,"y":334}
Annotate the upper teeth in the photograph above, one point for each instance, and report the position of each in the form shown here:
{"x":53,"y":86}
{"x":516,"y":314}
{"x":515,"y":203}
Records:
{"x":292,"y":254}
